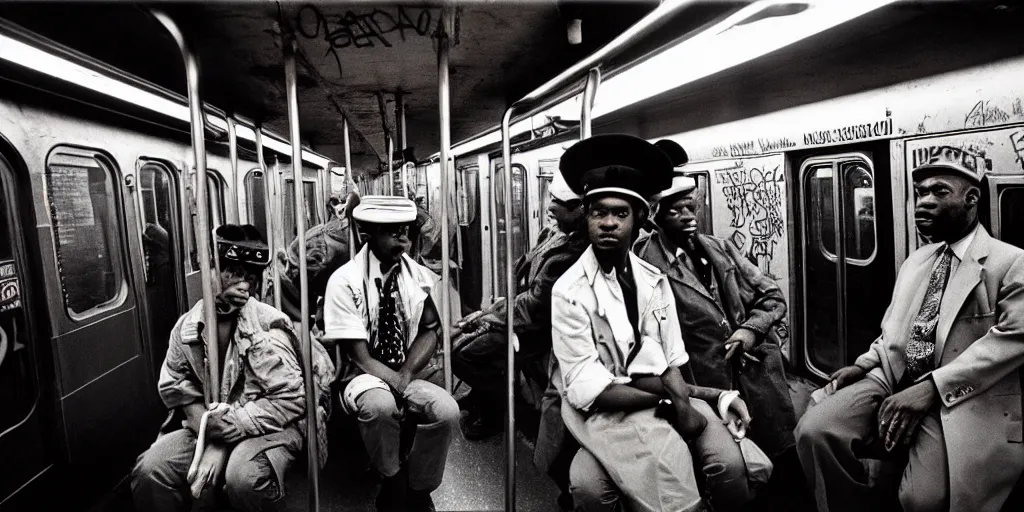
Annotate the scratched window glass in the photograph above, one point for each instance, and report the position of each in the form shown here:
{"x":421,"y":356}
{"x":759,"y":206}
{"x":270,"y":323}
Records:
{"x":83,"y":211}
{"x":17,"y":380}
{"x":859,"y":212}
{"x":703,"y":198}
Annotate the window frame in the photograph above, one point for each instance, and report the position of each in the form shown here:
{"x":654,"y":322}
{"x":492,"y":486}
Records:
{"x":118,"y":249}
{"x":178,"y":250}
{"x":192,"y":212}
{"x":997,"y":184}
{"x":836,"y":161}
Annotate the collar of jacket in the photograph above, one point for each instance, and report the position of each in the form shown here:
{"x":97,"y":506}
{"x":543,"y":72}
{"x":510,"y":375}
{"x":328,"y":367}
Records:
{"x":643,"y":272}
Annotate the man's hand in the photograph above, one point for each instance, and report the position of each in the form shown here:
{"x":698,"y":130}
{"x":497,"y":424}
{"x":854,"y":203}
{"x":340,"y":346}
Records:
{"x":217,"y":429}
{"x":401,"y":381}
{"x":737,"y":418}
{"x":740,"y":343}
{"x":688,"y":422}
{"x":844,"y":377}
{"x":901,"y":413}
{"x":210,"y":469}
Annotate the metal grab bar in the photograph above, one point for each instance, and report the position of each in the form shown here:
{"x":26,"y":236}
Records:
{"x":233,"y":156}
{"x":349,"y":183}
{"x":589,"y":95}
{"x":202,"y":234}
{"x":312,"y":444}
{"x":444,"y":115}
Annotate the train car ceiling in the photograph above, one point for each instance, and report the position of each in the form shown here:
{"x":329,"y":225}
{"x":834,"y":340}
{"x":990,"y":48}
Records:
{"x":350,"y":52}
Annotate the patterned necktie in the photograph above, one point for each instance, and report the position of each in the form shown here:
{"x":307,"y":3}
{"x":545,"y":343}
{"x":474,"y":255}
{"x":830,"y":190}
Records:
{"x":389,"y":345}
{"x":921,"y":346}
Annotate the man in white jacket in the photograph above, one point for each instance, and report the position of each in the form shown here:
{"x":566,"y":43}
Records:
{"x":616,"y":337}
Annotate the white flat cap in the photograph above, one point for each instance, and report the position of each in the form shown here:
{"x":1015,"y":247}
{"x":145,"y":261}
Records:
{"x":681,"y":184}
{"x":560,"y":189}
{"x":385,"y":210}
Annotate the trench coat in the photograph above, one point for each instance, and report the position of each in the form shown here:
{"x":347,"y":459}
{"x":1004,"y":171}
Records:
{"x":979,"y":351}
{"x":741,"y":296}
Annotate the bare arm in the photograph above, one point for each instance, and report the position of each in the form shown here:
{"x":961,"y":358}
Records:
{"x":621,"y":397}
{"x":359,"y":352}
{"x":425,"y":344}
{"x":654,"y":384}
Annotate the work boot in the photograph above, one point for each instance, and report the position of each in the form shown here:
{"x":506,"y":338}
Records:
{"x":481,"y":425}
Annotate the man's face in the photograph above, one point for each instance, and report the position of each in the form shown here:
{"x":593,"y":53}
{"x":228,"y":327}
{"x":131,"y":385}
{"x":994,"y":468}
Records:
{"x":566,"y":213}
{"x":678,"y":216}
{"x":610,"y":222}
{"x":389,"y":241}
{"x":942,"y":205}
{"x":237,"y":284}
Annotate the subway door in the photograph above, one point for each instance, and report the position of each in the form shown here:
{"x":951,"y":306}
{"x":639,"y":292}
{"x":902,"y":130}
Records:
{"x":520,"y":218}
{"x":847,"y":254}
{"x":471,"y":274}
{"x":107,"y":395}
{"x":28,"y":425}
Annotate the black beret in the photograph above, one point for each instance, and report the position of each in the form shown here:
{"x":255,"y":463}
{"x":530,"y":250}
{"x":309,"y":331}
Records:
{"x":616,"y":163}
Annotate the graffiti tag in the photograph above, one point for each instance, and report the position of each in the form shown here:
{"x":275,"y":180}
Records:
{"x":10,"y":292}
{"x":1017,"y":140}
{"x":754,"y":198}
{"x":984,"y":113}
{"x":970,"y":157}
{"x":366,"y":30}
{"x":881,"y":128}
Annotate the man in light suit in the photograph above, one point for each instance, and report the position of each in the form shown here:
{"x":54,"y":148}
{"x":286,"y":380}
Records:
{"x":943,"y":379}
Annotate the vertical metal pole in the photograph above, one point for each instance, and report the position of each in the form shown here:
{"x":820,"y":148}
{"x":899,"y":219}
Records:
{"x":312,"y":445}
{"x":349,"y":182}
{"x":276,"y":207}
{"x":391,"y":165}
{"x":233,"y":152}
{"x":202,"y":233}
{"x":444,"y":115}
{"x":589,"y":94}
{"x":510,"y":427}
{"x":400,"y":129}
{"x":268,"y":210}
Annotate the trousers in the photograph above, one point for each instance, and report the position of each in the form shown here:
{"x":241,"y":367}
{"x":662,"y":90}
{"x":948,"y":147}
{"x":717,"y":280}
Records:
{"x":380,"y":417}
{"x":833,"y":436}
{"x":253,"y":477}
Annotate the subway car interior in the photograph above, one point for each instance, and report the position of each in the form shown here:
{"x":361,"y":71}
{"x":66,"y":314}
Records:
{"x":131,"y":132}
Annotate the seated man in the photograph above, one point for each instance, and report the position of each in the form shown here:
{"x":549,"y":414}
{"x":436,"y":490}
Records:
{"x":941,"y":385}
{"x":378,"y":307}
{"x":617,"y":341}
{"x":251,"y":442}
{"x":481,"y":361}
{"x":727,"y":311}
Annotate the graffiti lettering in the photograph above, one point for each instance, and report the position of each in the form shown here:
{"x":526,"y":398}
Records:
{"x":7,"y":269}
{"x":719,"y":152}
{"x":984,"y":114}
{"x":1018,"y":108}
{"x":742,"y":148}
{"x":367,"y":30}
{"x":1017,"y":140}
{"x":770,"y":145}
{"x":851,"y":133}
{"x":970,"y":157}
{"x":754,"y":197}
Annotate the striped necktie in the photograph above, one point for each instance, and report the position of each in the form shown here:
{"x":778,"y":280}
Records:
{"x":921,"y":346}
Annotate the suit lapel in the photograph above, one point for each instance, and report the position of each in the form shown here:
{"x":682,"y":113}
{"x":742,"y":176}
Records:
{"x":959,"y":287}
{"x":676,"y":270}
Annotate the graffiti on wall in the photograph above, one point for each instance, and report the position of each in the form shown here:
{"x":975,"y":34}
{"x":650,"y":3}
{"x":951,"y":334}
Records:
{"x":1017,"y":142}
{"x":381,"y":27}
{"x":984,"y":113}
{"x":753,"y":196}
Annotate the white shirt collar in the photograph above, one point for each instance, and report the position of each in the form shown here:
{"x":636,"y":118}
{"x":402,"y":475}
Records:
{"x":960,"y":246}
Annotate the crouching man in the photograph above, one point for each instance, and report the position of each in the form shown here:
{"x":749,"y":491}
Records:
{"x":617,"y":341}
{"x":378,"y":307}
{"x":254,"y":436}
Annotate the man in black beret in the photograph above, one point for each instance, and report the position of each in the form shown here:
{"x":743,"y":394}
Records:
{"x":617,"y":340}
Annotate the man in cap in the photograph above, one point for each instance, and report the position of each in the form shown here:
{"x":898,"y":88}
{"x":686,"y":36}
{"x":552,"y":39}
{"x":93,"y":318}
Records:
{"x":378,"y":307}
{"x":727,"y":312}
{"x":619,"y":349}
{"x":941,"y":385}
{"x":256,"y":432}
{"x":481,"y":360}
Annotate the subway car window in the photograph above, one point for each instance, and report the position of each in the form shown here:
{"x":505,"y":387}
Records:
{"x":1011,"y":215}
{"x":859,"y":206}
{"x":256,"y":199}
{"x":309,"y":195}
{"x":822,"y":211}
{"x":704,"y":224}
{"x":83,"y":211}
{"x":467,"y":194}
{"x":159,"y":237}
